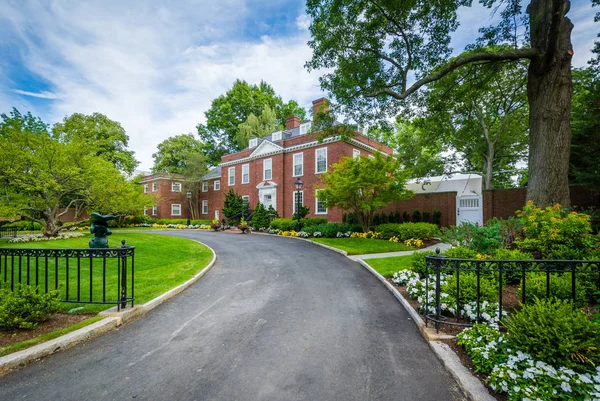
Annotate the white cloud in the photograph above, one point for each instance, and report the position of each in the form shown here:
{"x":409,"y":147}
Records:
{"x":303,"y":22}
{"x":155,"y":70}
{"x":41,"y":95}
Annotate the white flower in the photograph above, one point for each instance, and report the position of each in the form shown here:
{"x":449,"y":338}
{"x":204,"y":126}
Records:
{"x":566,"y":387}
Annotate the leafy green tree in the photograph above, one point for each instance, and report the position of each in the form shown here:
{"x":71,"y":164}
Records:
{"x":585,"y":122}
{"x":233,"y":205}
{"x":219,"y":134}
{"x":482,"y":113}
{"x":364,"y":186}
{"x":46,"y":178}
{"x":374,"y":48}
{"x":102,"y":136}
{"x":195,"y":169}
{"x":174,"y":153}
{"x":257,"y":127}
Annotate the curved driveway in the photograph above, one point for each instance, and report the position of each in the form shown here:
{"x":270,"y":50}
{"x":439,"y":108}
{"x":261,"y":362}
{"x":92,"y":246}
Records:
{"x":275,"y":319}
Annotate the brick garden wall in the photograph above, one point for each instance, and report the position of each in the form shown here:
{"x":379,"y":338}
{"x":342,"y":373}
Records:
{"x":503,"y":203}
{"x":445,"y":202}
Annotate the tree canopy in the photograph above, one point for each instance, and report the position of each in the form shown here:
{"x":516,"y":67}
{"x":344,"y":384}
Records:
{"x":257,"y":127}
{"x":104,"y":138}
{"x":364,"y":185}
{"x":45,"y":178}
{"x":219,"y":134}
{"x":174,"y":153}
{"x":380,"y":52}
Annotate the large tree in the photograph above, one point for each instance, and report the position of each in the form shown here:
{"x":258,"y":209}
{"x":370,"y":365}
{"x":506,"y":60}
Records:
{"x":174,"y":153}
{"x":257,"y":127}
{"x":380,"y":52}
{"x":45,"y":178}
{"x":364,"y":186}
{"x":481,"y":112}
{"x":104,"y":137}
{"x":219,"y":133}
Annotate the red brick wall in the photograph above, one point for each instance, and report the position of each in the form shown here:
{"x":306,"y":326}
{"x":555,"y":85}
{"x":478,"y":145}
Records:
{"x":282,"y":166}
{"x":503,"y":203}
{"x":445,"y":202}
{"x":166,"y":197}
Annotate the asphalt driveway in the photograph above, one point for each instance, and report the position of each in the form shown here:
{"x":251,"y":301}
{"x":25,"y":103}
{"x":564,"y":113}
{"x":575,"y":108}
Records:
{"x":275,"y":319}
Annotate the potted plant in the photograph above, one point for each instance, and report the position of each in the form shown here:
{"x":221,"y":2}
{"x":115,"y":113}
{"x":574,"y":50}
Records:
{"x":243,"y":226}
{"x":215,"y":225}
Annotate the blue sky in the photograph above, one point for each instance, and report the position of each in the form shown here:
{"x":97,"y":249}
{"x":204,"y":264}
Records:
{"x":155,"y":66}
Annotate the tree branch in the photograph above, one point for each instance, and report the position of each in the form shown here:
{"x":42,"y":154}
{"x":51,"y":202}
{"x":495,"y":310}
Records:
{"x":455,"y":64}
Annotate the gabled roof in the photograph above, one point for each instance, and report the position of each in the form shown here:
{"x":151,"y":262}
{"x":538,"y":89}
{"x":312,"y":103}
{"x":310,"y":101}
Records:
{"x":266,"y":147}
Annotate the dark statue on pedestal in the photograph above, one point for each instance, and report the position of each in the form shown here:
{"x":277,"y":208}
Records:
{"x":99,"y":228}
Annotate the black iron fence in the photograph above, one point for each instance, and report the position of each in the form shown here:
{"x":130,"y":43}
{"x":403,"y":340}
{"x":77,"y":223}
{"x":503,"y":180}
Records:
{"x":90,"y":276}
{"x":513,"y":283}
{"x":8,"y":232}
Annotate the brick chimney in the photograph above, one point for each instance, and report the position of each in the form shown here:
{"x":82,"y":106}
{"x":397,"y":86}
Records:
{"x":321,"y":104}
{"x":292,"y":122}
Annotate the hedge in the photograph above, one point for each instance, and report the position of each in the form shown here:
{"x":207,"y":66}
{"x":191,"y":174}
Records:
{"x":406,"y":231}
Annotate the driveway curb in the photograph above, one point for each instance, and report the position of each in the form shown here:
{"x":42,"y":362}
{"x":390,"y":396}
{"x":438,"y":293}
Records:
{"x":112,"y":320}
{"x":469,"y":384}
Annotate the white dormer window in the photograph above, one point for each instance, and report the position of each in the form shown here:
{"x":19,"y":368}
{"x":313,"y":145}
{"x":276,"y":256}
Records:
{"x":305,"y":128}
{"x":253,"y":142}
{"x":277,"y":135}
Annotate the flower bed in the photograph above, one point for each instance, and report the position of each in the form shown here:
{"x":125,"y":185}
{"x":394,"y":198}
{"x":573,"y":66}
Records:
{"x":61,"y":236}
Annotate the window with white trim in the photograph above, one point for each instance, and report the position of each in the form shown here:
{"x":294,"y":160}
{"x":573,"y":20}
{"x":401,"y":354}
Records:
{"x":297,"y":198}
{"x":175,"y":187}
{"x":305,"y":128}
{"x":298,"y":165}
{"x":154,"y":210}
{"x":231,"y":176}
{"x":175,"y":209}
{"x":355,"y":153}
{"x":154,"y":187}
{"x":204,"y":207}
{"x":253,"y":142}
{"x":217,"y":185}
{"x":321,"y":160}
{"x":267,"y":169}
{"x":205,"y":186}
{"x":246,"y":200}
{"x":145,"y":212}
{"x":146,"y":188}
{"x":319,"y":205}
{"x":245,"y":173}
{"x":277,"y":136}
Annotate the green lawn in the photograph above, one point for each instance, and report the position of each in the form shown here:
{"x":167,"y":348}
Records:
{"x":161,"y":263}
{"x":362,"y":246}
{"x":388,"y":266}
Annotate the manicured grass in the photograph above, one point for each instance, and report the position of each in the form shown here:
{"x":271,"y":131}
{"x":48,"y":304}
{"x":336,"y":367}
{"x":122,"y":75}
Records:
{"x":161,"y":263}
{"x":46,"y":337}
{"x":362,"y":246}
{"x":388,"y":266}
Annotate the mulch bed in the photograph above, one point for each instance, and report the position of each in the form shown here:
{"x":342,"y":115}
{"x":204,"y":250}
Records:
{"x":57,"y":321}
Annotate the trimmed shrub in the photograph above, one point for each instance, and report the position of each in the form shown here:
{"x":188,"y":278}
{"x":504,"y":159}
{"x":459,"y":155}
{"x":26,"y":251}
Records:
{"x":426,"y":217}
{"x":436,"y":218}
{"x":391,"y":218}
{"x":417,"y":262}
{"x":330,"y":230}
{"x":376,"y":220}
{"x":283,"y":224}
{"x":484,"y":240}
{"x":260,"y":218}
{"x":313,"y":221}
{"x":468,"y":288}
{"x":460,"y":252}
{"x":24,"y":307}
{"x":406,"y":231}
{"x":397,"y":217}
{"x":553,"y":331}
{"x":416,"y":216}
{"x":405,"y":217}
{"x":560,"y":287}
{"x":514,"y":275}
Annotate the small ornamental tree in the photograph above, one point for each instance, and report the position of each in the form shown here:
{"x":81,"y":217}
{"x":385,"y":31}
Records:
{"x":260,"y":218}
{"x":364,"y":186}
{"x":233,"y":205}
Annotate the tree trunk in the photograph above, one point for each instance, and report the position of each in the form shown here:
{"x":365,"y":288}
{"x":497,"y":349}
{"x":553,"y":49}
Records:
{"x":489,"y":165}
{"x":549,"y":90}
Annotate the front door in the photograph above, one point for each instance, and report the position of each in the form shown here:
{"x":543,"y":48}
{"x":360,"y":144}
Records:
{"x":469,"y":209}
{"x":267,"y":197}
